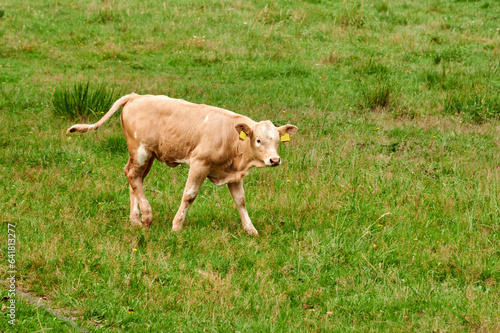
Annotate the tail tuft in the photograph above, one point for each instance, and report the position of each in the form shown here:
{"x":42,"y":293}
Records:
{"x":81,"y":128}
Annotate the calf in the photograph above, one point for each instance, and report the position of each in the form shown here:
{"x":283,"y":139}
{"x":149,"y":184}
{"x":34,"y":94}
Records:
{"x":215,"y":143}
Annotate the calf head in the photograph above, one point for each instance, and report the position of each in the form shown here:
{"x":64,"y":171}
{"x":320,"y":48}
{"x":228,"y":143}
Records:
{"x":264,"y":139}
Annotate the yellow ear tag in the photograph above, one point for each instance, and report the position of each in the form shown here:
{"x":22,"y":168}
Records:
{"x":285,"y":138}
{"x":243,"y":136}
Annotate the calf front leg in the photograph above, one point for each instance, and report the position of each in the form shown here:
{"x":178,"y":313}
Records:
{"x":197,"y":174}
{"x":238,"y":194}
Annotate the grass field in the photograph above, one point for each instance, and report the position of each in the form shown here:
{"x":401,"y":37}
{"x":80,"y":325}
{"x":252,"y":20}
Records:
{"x":384,"y":215}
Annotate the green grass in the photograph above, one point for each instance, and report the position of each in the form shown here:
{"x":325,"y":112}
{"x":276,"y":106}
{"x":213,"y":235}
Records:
{"x":383,"y":217}
{"x":31,"y":318}
{"x":82,"y":100}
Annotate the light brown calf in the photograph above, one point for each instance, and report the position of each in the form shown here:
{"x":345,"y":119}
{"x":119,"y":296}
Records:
{"x":206,"y":138}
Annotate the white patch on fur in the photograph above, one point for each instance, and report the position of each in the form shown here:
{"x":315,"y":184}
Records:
{"x":247,"y":223}
{"x":183,"y":161}
{"x":271,"y":133}
{"x":191,"y":192}
{"x":135,"y":135}
{"x":142,"y":155}
{"x":136,"y":205}
{"x":247,"y":217}
{"x":206,"y":118}
{"x":183,"y":214}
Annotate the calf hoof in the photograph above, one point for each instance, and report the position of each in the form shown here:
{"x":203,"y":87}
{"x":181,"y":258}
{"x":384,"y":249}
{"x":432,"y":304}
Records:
{"x":177,"y":224}
{"x":147,"y":220}
{"x":253,"y":232}
{"x":135,"y":220}
{"x":176,"y":228}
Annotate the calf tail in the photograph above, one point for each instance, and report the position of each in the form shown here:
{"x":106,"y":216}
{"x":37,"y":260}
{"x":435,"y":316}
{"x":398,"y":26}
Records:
{"x":82,"y":128}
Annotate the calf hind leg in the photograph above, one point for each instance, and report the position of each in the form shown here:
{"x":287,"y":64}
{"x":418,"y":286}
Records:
{"x":135,"y":213}
{"x":135,"y":174}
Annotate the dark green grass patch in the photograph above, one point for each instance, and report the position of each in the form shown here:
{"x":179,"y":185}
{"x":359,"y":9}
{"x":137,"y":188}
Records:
{"x":477,"y":105}
{"x":82,"y":100}
{"x":377,"y":95}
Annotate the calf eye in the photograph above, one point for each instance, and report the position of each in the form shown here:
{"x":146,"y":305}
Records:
{"x":258,"y":140}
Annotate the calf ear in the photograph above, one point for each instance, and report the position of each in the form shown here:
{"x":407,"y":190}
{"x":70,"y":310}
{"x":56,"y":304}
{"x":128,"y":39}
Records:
{"x":287,"y":129}
{"x":242,"y":127}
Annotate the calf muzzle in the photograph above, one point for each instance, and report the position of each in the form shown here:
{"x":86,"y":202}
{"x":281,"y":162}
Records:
{"x":275,"y":161}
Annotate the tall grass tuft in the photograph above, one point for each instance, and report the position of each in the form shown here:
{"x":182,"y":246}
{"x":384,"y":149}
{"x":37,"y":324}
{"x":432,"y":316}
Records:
{"x":382,"y":7}
{"x":476,"y":105}
{"x":104,"y":16}
{"x":375,"y":96}
{"x":83,"y":100}
{"x":352,"y":18}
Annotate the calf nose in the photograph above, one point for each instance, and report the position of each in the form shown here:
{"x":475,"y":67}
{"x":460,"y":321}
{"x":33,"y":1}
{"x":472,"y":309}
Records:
{"x":275,"y":161}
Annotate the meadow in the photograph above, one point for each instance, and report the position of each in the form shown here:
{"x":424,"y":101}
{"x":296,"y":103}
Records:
{"x":383,"y":216}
